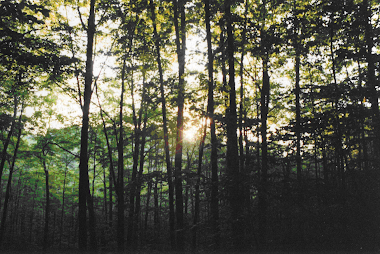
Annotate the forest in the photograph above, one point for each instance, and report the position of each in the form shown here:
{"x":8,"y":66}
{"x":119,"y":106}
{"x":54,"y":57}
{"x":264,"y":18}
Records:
{"x":189,"y":125}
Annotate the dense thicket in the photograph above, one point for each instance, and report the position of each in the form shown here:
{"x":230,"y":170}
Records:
{"x":190,"y":125}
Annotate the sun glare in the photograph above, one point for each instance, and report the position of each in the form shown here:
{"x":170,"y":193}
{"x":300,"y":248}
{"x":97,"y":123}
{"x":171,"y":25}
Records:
{"x":190,"y":133}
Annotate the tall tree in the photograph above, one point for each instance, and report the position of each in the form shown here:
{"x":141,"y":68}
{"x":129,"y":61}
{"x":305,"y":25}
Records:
{"x":233,"y":171}
{"x":374,"y":98}
{"x":214,"y":142}
{"x":297,"y":90}
{"x":265,"y":93}
{"x":84,"y":188}
{"x":9,"y":184}
{"x":180,"y":31}
{"x":120,"y":167}
{"x":157,"y":43}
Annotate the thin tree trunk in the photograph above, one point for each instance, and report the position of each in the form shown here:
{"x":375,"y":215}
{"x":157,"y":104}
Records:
{"x":7,"y":141}
{"x":197,"y":200}
{"x":165,"y":129}
{"x":63,"y":207}
{"x":156,"y":210}
{"x":337,"y":127}
{"x":372,"y":83}
{"x":147,"y":207}
{"x":112,"y":176}
{"x":179,"y":13}
{"x":83,"y":165}
{"x":264,"y":155}
{"x":233,"y":171}
{"x":9,"y":184}
{"x":265,"y":96}
{"x":131,"y":233}
{"x":120,"y":173}
{"x":214,"y":143}
{"x":297,"y":91}
{"x":141,"y":164}
{"x":105,"y":210}
{"x":110,"y":202}
{"x":47,"y":205}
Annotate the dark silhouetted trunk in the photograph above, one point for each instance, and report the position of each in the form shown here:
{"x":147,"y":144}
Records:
{"x":9,"y":184}
{"x":198,"y":180}
{"x":165,"y":129}
{"x":179,"y":15}
{"x":234,"y":195}
{"x":84,"y":190}
{"x":372,"y":80}
{"x":120,"y":170}
{"x":297,"y":91}
{"x":47,"y":204}
{"x":214,"y":145}
{"x":10,"y":133}
{"x":132,"y":223}
{"x":63,"y":205}
{"x":262,"y":192}
{"x":139,"y":177}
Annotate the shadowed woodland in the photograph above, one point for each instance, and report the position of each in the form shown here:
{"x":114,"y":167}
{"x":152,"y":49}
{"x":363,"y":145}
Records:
{"x":189,"y":125}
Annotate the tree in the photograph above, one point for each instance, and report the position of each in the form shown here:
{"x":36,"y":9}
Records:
{"x":180,"y":30}
{"x":214,"y":142}
{"x":11,"y":169}
{"x":157,"y":42}
{"x":85,"y":198}
{"x":232,"y":142}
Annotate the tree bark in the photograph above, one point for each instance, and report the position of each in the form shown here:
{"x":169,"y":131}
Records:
{"x":233,"y":171}
{"x":142,"y":158}
{"x":197,"y":200}
{"x":7,"y":141}
{"x":179,"y":13}
{"x":214,"y":145}
{"x":165,"y":129}
{"x":9,"y":184}
{"x":372,"y":84}
{"x":265,"y":92}
{"x":63,"y":205}
{"x":120,"y":173}
{"x":47,"y":205}
{"x":83,"y":165}
{"x":132,"y":224}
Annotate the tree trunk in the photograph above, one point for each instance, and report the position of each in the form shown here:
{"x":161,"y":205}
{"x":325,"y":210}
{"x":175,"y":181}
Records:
{"x":141,"y":163}
{"x":372,"y":83}
{"x":112,"y":176}
{"x":214,"y":145}
{"x":83,"y":165}
{"x":110,"y":202}
{"x":165,"y":129}
{"x":297,"y":91}
{"x":120,"y":169}
{"x":337,"y":128}
{"x":9,"y":184}
{"x":197,"y":200}
{"x":7,"y":141}
{"x":147,"y":207}
{"x":179,"y":13}
{"x":131,"y":233}
{"x":47,"y":205}
{"x":232,"y":142}
{"x":63,"y":206}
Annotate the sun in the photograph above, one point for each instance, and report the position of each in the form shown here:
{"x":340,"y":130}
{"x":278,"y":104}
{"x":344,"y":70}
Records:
{"x":190,"y":133}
